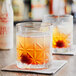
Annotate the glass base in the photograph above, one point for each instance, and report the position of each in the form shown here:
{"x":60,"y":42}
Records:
{"x":30,"y":66}
{"x":62,"y":50}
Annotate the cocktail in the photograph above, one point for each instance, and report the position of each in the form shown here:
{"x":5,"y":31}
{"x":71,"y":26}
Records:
{"x":62,"y":32}
{"x":33,"y":46}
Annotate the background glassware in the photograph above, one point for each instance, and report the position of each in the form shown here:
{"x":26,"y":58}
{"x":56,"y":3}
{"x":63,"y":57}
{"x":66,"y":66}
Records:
{"x":33,"y":45}
{"x":62,"y":32}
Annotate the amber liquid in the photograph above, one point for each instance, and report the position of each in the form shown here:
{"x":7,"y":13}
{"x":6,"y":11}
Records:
{"x":60,"y":39}
{"x":33,"y":50}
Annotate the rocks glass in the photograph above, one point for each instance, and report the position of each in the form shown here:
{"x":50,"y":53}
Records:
{"x":62,"y":32}
{"x":33,"y":42}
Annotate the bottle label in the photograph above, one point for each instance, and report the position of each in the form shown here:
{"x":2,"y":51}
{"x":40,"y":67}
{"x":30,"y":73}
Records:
{"x":38,"y":3}
{"x":38,"y":9}
{"x":6,"y":32}
{"x":4,"y":18}
{"x":6,"y":25}
{"x":6,"y":35}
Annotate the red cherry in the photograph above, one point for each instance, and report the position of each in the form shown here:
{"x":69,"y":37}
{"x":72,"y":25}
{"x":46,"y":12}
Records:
{"x":60,"y":44}
{"x":26,"y":59}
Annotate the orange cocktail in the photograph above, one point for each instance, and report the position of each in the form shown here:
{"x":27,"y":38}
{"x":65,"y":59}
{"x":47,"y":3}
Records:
{"x":60,"y":39}
{"x":62,"y":32}
{"x":33,"y":48}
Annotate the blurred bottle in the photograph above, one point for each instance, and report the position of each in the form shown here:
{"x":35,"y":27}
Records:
{"x":73,"y":12}
{"x":6,"y":24}
{"x":27,"y":7}
{"x":38,"y":8}
{"x":18,"y":8}
{"x":57,"y":7}
{"x":68,"y":8}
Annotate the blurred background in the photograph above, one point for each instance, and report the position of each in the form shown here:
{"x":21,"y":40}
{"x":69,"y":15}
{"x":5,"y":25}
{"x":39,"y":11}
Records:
{"x":26,"y":10}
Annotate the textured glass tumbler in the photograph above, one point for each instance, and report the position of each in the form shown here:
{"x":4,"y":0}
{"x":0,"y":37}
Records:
{"x":33,"y":45}
{"x":62,"y":32}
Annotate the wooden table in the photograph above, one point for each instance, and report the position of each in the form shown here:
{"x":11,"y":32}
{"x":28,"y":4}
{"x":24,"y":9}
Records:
{"x":9,"y":56}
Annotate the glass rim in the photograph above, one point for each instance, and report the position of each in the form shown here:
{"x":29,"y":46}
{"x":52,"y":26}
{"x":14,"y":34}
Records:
{"x":33,"y":26}
{"x":21,"y":23}
{"x":30,"y":24}
{"x":57,"y":19}
{"x":49,"y":15}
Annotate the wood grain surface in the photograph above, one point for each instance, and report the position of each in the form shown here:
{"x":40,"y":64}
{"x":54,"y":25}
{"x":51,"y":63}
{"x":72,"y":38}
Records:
{"x":9,"y":56}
